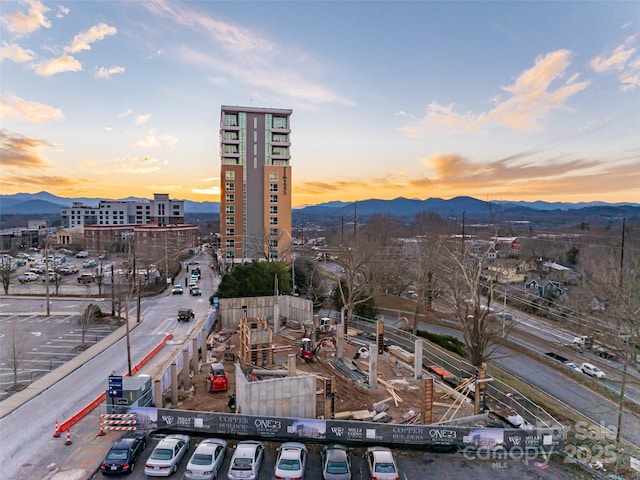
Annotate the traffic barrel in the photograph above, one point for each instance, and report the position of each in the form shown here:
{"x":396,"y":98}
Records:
{"x":56,"y":432}
{"x":68,"y":442}
{"x":101,"y":432}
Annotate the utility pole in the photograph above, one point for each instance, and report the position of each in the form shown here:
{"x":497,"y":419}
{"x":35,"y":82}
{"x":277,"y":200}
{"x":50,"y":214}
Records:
{"x":624,"y":347}
{"x":113,"y":293}
{"x":46,"y":273}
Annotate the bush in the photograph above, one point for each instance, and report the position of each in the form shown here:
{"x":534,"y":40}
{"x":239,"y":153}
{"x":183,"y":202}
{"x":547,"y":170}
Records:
{"x":445,"y":341}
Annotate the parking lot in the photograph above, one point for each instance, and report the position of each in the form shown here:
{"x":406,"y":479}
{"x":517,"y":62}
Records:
{"x":36,"y":344}
{"x":412,"y":464}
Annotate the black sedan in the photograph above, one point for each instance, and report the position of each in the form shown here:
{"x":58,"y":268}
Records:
{"x":123,"y":454}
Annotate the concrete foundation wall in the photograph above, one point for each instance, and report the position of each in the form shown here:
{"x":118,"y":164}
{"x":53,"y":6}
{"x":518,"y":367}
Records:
{"x":230,"y":310}
{"x":286,"y":397}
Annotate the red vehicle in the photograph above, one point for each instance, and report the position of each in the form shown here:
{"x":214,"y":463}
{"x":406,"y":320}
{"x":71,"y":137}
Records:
{"x":218,"y":378}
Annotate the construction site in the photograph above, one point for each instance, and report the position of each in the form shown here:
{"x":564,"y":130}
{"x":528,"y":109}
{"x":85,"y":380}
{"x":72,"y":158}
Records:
{"x":320,"y":369}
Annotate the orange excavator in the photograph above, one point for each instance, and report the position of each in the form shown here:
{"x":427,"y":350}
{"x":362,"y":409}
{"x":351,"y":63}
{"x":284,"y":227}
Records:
{"x":218,"y":378}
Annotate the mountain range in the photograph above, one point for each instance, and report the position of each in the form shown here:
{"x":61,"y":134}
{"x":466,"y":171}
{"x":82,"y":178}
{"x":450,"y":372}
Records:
{"x":46,"y":203}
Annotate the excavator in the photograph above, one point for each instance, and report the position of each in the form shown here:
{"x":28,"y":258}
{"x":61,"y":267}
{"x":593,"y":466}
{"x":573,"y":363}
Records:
{"x":308,"y":353}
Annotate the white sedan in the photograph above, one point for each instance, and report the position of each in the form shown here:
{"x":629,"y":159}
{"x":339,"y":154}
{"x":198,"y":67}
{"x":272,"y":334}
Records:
{"x":166,"y":456}
{"x":206,"y":460}
{"x":292,"y":458}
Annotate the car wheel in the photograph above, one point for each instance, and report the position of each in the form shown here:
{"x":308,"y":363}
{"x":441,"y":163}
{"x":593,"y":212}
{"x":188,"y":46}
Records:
{"x":132,"y":467}
{"x":175,"y":468}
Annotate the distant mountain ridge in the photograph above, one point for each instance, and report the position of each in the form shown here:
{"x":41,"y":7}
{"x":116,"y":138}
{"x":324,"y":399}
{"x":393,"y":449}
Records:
{"x":46,"y":203}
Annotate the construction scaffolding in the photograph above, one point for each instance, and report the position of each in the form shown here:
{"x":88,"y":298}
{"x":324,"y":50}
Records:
{"x":256,"y":342}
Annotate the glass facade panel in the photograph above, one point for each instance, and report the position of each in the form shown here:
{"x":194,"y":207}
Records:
{"x":230,"y":209}
{"x":230,"y":186}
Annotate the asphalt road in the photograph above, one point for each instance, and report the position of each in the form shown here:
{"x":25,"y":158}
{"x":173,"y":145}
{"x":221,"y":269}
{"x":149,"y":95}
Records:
{"x":556,"y":383}
{"x":33,"y":423}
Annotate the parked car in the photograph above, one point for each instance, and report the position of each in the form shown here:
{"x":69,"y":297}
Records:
{"x":206,"y":460}
{"x":291,"y":460}
{"x":381,"y":464}
{"x":123,"y":454}
{"x":28,"y":277}
{"x":195,"y":291}
{"x":166,"y":456}
{"x":336,"y":462}
{"x":573,"y":366}
{"x":592,"y":371}
{"x":85,"y":278}
{"x":177,"y":290}
{"x":82,"y":254}
{"x":246,"y":460}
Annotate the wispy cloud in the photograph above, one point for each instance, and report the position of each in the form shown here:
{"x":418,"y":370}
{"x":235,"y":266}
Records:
{"x":54,"y":66}
{"x":534,"y":93}
{"x":19,"y":152}
{"x":142,"y":118}
{"x":22,"y":23}
{"x":16,"y":53}
{"x":152,"y":139}
{"x":83,"y":41}
{"x":126,"y":113}
{"x":62,"y":11}
{"x":245,"y":56}
{"x":19,"y":108}
{"x":213,"y":190}
{"x":122,"y":165}
{"x":106,"y":72}
{"x":622,"y":61}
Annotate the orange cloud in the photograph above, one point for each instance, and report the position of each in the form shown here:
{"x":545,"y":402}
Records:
{"x":16,"y":107}
{"x":20,"y":152}
{"x":54,"y":66}
{"x":532,"y":96}
{"x":22,"y":23}
{"x":83,"y":40}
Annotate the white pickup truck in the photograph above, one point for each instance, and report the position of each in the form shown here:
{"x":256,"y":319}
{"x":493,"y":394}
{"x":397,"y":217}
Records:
{"x":28,"y":277}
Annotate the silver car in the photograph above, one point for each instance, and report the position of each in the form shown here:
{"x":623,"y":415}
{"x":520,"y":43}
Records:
{"x":336,"y":462}
{"x":246,"y":460}
{"x":292,"y":458}
{"x":206,"y":460}
{"x":166,"y":456}
{"x":381,"y":464}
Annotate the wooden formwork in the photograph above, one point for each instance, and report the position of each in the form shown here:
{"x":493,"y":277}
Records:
{"x":256,"y":342}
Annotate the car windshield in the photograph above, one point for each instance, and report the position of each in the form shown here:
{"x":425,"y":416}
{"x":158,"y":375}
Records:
{"x":242,"y":464}
{"x":202,"y":459}
{"x":118,"y":454}
{"x":162,"y":454}
{"x":289,"y":464}
{"x":385,"y":468}
{"x":337,"y":467}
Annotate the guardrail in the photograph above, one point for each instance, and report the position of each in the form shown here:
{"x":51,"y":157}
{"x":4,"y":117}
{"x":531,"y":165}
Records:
{"x":497,"y":392}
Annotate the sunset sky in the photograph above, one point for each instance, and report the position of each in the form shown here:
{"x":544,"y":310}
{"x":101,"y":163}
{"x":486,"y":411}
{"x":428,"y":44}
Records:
{"x":419,"y":99}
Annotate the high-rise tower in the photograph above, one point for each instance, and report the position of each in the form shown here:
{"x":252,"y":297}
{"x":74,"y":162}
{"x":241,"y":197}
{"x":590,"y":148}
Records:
{"x":255,"y":184}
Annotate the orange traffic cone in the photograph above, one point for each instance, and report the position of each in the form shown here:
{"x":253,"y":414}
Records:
{"x":68,"y":442}
{"x":101,"y":432}
{"x":56,"y":432}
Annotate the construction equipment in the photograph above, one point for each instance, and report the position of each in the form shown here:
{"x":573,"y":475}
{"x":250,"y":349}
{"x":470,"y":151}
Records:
{"x":308,"y":353}
{"x":326,"y":325}
{"x":306,"y":349}
{"x":218,"y":378}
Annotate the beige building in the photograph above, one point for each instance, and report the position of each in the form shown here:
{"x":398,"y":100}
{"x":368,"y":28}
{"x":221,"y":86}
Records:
{"x":255,"y":190}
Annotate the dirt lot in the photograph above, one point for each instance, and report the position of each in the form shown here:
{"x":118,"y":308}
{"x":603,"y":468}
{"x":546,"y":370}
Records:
{"x":402,"y":393}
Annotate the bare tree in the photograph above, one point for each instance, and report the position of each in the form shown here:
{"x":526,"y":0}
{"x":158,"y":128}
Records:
{"x":471,"y":292}
{"x":424,"y":269}
{"x":362,"y":259}
{"x":15,"y":354}
{"x":6,"y":264}
{"x":87,"y":317}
